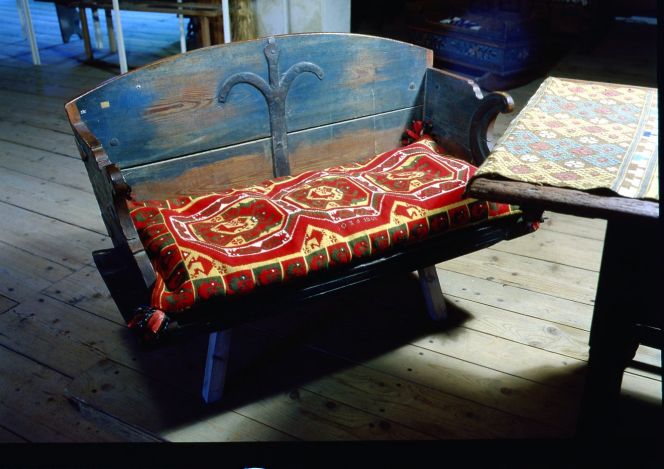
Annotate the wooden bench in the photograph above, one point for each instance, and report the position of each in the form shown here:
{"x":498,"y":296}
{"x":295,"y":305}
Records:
{"x":238,"y":114}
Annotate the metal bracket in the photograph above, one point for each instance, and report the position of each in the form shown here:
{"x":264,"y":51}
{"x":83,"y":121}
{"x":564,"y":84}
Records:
{"x":275,"y":94}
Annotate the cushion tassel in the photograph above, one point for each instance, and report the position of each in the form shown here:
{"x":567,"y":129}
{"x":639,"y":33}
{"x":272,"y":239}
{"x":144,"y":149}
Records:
{"x":418,"y":129}
{"x":150,"y":323}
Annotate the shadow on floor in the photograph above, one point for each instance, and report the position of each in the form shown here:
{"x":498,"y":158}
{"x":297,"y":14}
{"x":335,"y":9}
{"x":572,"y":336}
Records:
{"x":284,"y":356}
{"x":269,"y":357}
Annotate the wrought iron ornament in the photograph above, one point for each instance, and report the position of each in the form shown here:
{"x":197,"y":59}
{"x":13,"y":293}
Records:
{"x":275,"y":94}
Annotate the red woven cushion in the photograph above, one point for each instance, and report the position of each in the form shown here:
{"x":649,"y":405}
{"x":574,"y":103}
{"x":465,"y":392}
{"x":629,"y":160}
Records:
{"x":239,"y":239}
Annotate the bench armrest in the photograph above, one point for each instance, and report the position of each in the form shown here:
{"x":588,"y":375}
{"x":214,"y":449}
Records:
{"x":461,"y":115}
{"x":112,"y":193}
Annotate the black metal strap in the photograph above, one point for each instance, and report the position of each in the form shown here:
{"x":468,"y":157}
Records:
{"x":275,"y":94}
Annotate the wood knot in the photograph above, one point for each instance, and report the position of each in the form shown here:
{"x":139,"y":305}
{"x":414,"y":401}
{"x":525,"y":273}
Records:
{"x":107,"y":387}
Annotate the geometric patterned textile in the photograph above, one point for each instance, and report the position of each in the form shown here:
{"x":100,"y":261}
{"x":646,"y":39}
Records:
{"x":583,"y":135}
{"x":234,"y":241}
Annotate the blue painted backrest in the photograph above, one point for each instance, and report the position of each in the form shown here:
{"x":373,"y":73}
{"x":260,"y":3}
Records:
{"x":165,"y":127}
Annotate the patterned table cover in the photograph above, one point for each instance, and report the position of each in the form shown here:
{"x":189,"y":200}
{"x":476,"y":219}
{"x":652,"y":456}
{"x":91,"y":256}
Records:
{"x":583,"y":135}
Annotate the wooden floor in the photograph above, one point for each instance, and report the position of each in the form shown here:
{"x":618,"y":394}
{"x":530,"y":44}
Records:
{"x":361,"y":365}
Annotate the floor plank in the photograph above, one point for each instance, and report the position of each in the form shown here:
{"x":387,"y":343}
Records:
{"x":6,"y":303}
{"x":85,"y":289}
{"x":33,"y":406}
{"x":70,"y":73}
{"x":81,"y":348}
{"x":57,"y":168}
{"x":14,"y":79}
{"x":111,"y":388}
{"x":426,"y":408}
{"x":7,"y":436}
{"x":593,"y":228}
{"x":34,"y":137}
{"x":51,"y":114}
{"x":394,"y":347}
{"x":54,"y":200}
{"x":536,"y":333}
{"x":539,"y":335}
{"x":23,"y":274}
{"x":97,"y":304}
{"x":560,"y":248}
{"x":103,"y":304}
{"x":82,"y":339}
{"x":376,"y":388}
{"x":515,"y":298}
{"x":535,"y":275}
{"x":49,"y":238}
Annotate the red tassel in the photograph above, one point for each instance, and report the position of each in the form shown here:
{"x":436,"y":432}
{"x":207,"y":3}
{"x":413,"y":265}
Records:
{"x":149,"y":323}
{"x":418,"y":129}
{"x":156,"y":320}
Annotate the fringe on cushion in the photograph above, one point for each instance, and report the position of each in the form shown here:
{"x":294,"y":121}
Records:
{"x":149,"y":323}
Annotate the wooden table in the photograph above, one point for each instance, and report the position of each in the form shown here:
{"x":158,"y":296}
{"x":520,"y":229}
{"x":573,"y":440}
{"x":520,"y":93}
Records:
{"x":626,"y":310}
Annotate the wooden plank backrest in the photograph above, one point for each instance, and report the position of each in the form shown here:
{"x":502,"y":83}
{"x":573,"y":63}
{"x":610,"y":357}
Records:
{"x":166,"y":129}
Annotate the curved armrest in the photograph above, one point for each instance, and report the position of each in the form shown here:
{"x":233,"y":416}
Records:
{"x":461,"y":115}
{"x":482,"y":138}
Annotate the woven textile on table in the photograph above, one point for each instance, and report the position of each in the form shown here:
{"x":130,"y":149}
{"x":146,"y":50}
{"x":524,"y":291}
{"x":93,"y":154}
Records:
{"x":234,"y":241}
{"x":583,"y":135}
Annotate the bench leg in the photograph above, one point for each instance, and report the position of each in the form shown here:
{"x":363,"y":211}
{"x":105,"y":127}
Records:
{"x":99,"y":40}
{"x":216,"y":364}
{"x":205,"y":31}
{"x":433,"y":295}
{"x":111,"y":32}
{"x":86,"y":33}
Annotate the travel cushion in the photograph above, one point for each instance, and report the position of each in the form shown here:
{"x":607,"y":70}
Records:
{"x":234,"y":241}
